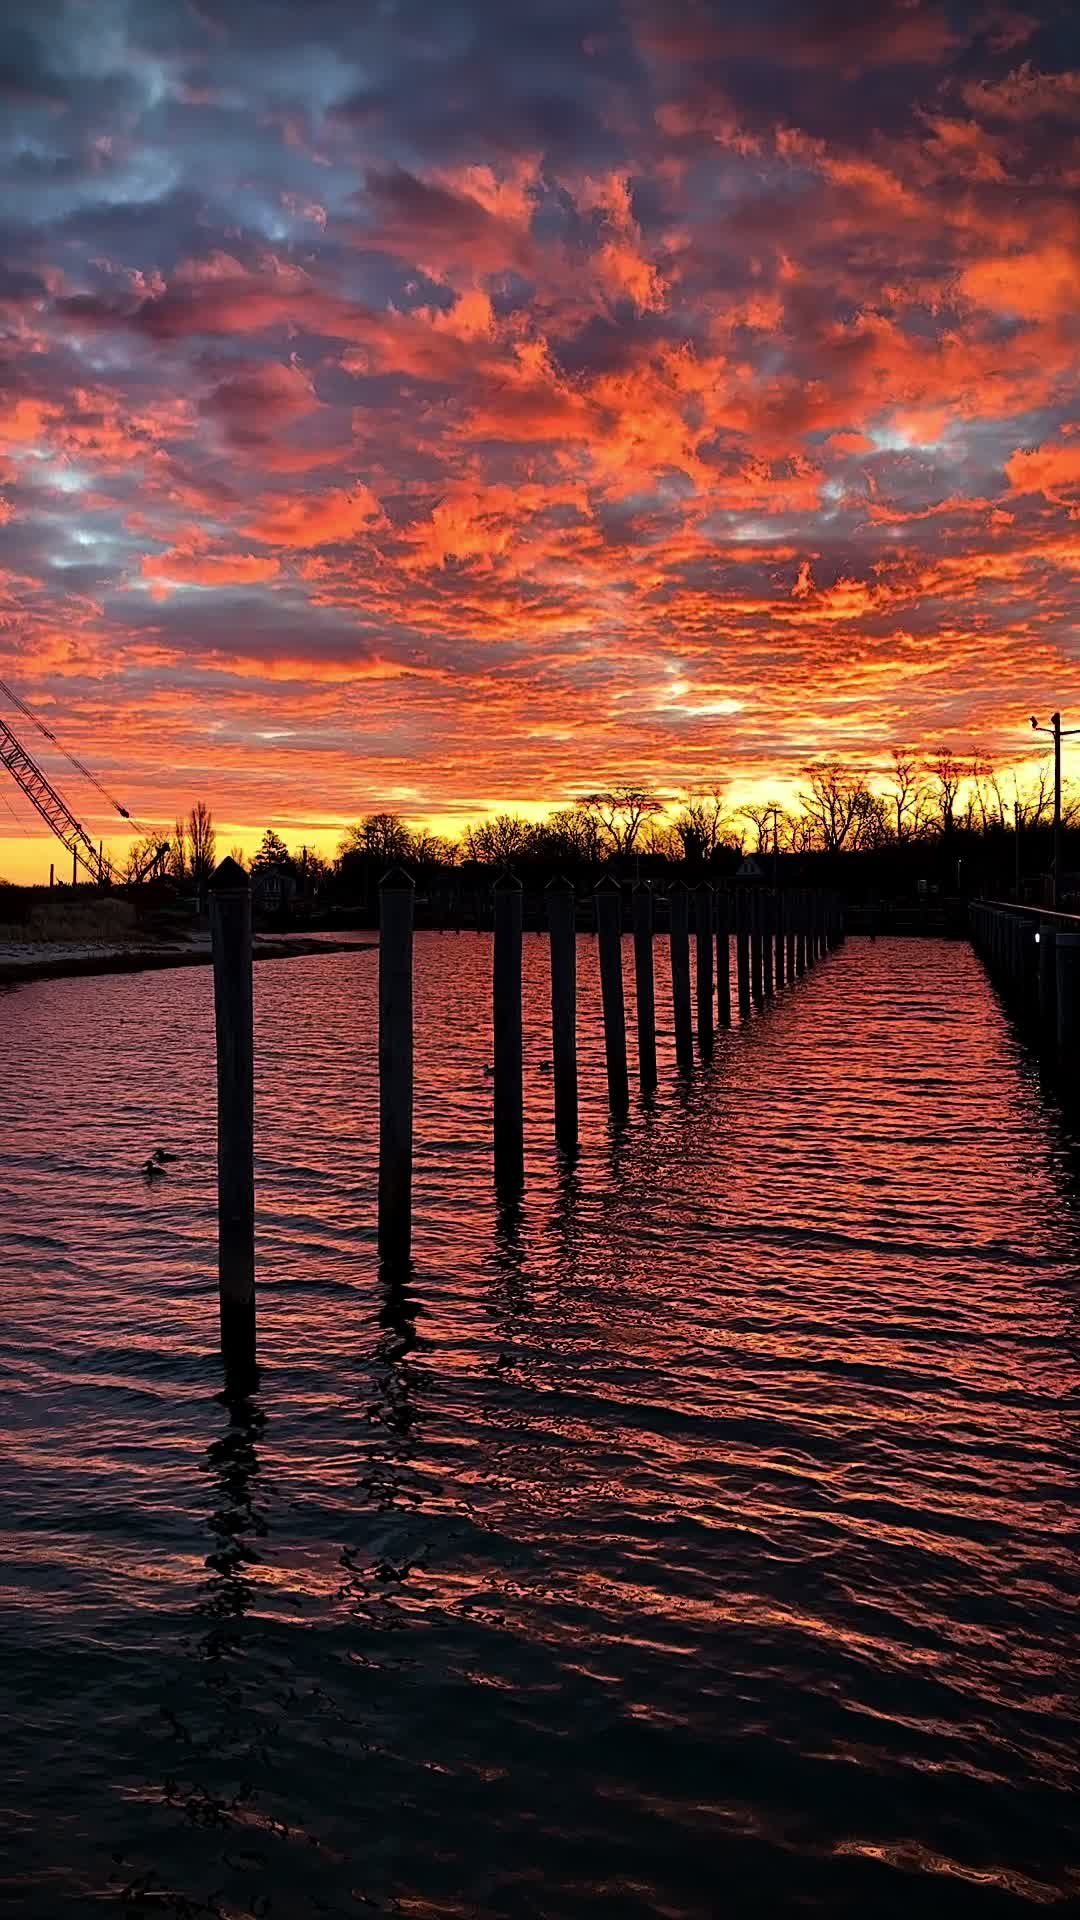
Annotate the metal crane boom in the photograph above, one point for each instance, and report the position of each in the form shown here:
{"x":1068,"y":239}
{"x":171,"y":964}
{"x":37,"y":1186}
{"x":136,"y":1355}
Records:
{"x":54,"y":811}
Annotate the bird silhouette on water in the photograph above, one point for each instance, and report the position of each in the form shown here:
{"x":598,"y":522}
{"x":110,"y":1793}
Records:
{"x":152,"y":1170}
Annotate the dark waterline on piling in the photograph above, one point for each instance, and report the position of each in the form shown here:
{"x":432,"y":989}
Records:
{"x":693,"y":1536}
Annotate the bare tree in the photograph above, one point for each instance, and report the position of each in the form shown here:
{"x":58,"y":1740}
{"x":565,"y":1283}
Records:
{"x":431,"y":850}
{"x":985,"y":810}
{"x":948,"y":774}
{"x":620,"y":812}
{"x":579,"y":834}
{"x":381,"y":836}
{"x":147,"y":859}
{"x":202,"y":843}
{"x":703,"y":825}
{"x":839,"y":806}
{"x":663,"y":840}
{"x":905,"y":796}
{"x":765,"y":821}
{"x":494,"y":841}
{"x":178,"y":852}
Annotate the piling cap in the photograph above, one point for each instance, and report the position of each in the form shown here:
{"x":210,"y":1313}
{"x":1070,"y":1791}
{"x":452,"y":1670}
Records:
{"x":397,"y":881}
{"x":608,"y":884}
{"x":229,"y":877}
{"x":704,"y":886}
{"x":559,"y":884}
{"x":678,"y":886}
{"x":643,"y":886}
{"x":506,"y":882}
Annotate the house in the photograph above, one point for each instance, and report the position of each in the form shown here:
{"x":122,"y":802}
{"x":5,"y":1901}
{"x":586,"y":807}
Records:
{"x":272,"y":888}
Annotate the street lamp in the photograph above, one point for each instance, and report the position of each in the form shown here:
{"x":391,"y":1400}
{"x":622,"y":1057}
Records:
{"x":1055,"y":729}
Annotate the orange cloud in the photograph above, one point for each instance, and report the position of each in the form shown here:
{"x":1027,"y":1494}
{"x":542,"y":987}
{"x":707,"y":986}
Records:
{"x":319,"y":520}
{"x":1052,"y":470}
{"x":188,"y":568}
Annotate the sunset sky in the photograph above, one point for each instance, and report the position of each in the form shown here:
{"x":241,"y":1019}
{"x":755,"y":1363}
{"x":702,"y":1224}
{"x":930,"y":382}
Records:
{"x":450,"y":407}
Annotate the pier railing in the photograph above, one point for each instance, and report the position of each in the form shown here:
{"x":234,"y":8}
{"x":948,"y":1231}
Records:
{"x":1032,"y":954}
{"x":778,"y":937}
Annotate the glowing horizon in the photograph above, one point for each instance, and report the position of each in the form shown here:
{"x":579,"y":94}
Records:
{"x":452,"y":411}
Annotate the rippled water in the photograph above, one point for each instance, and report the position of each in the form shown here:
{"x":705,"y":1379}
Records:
{"x":699,"y":1541}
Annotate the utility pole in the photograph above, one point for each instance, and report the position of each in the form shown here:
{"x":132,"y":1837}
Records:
{"x":1055,"y":729}
{"x":1016,"y":849}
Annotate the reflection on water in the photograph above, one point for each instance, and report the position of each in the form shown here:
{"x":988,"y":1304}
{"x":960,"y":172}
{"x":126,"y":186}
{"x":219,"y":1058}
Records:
{"x":694,"y":1536}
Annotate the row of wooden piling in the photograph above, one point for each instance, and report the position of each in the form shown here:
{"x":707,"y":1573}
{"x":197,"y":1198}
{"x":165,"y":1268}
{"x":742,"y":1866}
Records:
{"x":778,"y":936}
{"x":1033,"y":957}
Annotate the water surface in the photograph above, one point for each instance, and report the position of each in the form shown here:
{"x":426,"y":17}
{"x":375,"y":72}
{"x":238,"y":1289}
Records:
{"x":698,"y":1539}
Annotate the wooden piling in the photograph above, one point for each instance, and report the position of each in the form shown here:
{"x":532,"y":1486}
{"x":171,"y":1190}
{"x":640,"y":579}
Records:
{"x":609,"y":935}
{"x":645,"y":986}
{"x":1067,"y":952}
{"x":757,"y":955}
{"x":799,"y":905}
{"x":506,"y":1024}
{"x":397,"y":894}
{"x":562,"y":930}
{"x":679,"y":905}
{"x":768,"y":944}
{"x":742,"y":949}
{"x":723,"y":956}
{"x":1047,"y":976}
{"x":230,"y":942}
{"x":704,"y":912}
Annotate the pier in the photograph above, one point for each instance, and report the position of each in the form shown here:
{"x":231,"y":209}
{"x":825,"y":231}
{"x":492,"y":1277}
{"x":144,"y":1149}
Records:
{"x":789,"y":934}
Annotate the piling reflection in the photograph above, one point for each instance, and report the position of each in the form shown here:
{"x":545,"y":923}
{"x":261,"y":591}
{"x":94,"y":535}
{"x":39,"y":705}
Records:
{"x":703,"y":1515}
{"x":393,"y":1411}
{"x":237,"y":1521}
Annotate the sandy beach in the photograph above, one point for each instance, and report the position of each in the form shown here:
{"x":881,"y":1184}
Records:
{"x":27,"y":960}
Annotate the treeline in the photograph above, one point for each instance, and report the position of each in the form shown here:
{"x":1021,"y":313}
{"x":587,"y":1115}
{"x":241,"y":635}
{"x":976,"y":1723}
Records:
{"x":928,"y":810}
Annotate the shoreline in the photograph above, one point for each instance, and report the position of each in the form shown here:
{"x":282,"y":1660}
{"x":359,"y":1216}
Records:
{"x":17,"y":970}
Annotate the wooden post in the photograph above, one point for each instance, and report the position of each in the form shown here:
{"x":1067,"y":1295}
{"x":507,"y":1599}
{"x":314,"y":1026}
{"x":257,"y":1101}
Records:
{"x":230,"y":942}
{"x":679,"y":904}
{"x":506,"y":1012}
{"x":397,"y":894}
{"x":1047,"y":975}
{"x":723,"y":956}
{"x":1067,"y":946}
{"x":562,"y":928}
{"x":768,"y":944}
{"x":778,"y":938}
{"x":645,"y":986}
{"x":799,"y":904}
{"x":742,"y":949}
{"x":757,"y":957}
{"x":704,"y":909}
{"x":609,"y":936}
{"x":52,"y":874}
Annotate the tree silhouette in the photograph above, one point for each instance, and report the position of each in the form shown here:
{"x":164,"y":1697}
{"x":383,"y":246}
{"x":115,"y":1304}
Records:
{"x":620,"y":812}
{"x":272,"y":852}
{"x":202,"y":843}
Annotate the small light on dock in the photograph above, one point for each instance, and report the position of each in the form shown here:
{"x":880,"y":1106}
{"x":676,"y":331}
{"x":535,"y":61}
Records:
{"x":1036,"y":939}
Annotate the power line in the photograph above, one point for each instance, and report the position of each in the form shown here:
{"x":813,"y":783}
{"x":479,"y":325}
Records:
{"x":48,"y":734}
